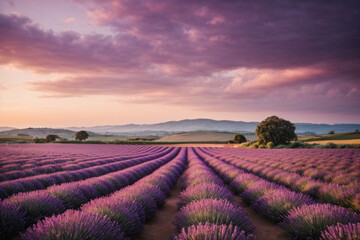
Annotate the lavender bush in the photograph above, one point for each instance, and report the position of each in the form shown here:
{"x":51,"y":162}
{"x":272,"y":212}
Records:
{"x":210,"y":231}
{"x":340,"y":231}
{"x":204,"y":191}
{"x":75,"y":225}
{"x":12,"y":219}
{"x":213,"y":211}
{"x":307,"y":221}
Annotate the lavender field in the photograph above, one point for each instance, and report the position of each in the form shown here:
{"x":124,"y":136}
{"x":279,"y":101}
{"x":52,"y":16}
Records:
{"x":88,"y":191}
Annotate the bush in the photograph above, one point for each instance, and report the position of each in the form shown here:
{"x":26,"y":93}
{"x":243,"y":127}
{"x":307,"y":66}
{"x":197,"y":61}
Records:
{"x":331,"y":132}
{"x":276,"y":130}
{"x":308,"y":221}
{"x":12,"y":220}
{"x":39,"y":140}
{"x":342,"y":232}
{"x":239,"y":138}
{"x":75,"y":225}
{"x":270,"y":145}
{"x":330,"y":145}
{"x":213,"y":211}
{"x":213,"y":232}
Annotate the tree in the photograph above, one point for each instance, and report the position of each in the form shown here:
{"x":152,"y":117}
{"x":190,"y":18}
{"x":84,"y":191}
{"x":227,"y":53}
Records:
{"x":51,"y":138}
{"x":81,"y":135}
{"x":276,"y":130}
{"x":239,"y":138}
{"x":331,"y":132}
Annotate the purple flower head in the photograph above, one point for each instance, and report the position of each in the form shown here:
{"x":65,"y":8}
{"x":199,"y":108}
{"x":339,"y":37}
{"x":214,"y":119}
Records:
{"x":75,"y":225}
{"x":340,"y":231}
{"x":12,"y":219}
{"x":204,"y":191}
{"x":213,"y":211}
{"x":128,"y":213}
{"x":37,"y":204}
{"x":307,"y":221}
{"x":153,"y":191}
{"x":210,"y":231}
{"x":276,"y":206}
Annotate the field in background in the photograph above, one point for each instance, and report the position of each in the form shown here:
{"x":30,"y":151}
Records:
{"x":202,"y":137}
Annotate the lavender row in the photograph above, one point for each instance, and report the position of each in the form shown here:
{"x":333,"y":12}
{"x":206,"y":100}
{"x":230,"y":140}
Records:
{"x":60,"y":153}
{"x":69,"y":165}
{"x":207,"y":208}
{"x":297,"y":213}
{"x":54,"y":200}
{"x":27,"y":184}
{"x":119,"y":216}
{"x":339,"y":166}
{"x":344,"y":196}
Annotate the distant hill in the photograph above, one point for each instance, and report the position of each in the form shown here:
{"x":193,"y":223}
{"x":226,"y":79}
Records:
{"x":6,"y":128}
{"x":41,"y":132}
{"x":191,"y":125}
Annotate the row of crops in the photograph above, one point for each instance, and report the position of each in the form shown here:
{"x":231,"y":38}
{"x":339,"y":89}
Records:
{"x":110,"y":192}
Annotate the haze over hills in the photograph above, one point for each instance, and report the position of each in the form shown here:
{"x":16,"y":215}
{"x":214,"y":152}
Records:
{"x":190,"y":125}
{"x":173,"y":127}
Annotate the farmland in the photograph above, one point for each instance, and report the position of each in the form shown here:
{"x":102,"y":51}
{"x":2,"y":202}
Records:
{"x":81,"y":191}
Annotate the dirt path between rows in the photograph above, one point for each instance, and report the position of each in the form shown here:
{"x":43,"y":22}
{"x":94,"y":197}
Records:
{"x":161,"y":227}
{"x":265,"y":230}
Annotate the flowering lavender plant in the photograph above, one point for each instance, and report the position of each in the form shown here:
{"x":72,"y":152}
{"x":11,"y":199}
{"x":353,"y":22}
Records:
{"x":340,"y":231}
{"x":12,"y":219}
{"x":75,"y":225}
{"x":213,"y":211}
{"x":307,"y":221}
{"x":210,"y":231}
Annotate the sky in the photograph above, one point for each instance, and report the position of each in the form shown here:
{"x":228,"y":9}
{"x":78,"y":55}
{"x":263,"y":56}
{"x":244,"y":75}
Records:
{"x":96,"y":62}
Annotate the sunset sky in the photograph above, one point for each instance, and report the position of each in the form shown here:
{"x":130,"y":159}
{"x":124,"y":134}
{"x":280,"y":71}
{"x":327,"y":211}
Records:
{"x":96,"y":62}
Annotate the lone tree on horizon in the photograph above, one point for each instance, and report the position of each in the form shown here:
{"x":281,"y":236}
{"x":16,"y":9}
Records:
{"x":81,"y":135}
{"x":276,"y":130}
{"x":239,"y":138}
{"x":51,"y":138}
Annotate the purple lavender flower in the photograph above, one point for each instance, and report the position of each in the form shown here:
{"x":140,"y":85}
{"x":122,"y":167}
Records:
{"x":37,"y":204}
{"x":243,"y":182}
{"x":276,"y":206}
{"x":71,"y":196}
{"x":349,"y":231}
{"x":12,"y":219}
{"x":204,"y":191}
{"x":213,"y":211}
{"x":75,"y":225}
{"x":307,"y":221}
{"x":128,"y":213}
{"x":210,"y":231}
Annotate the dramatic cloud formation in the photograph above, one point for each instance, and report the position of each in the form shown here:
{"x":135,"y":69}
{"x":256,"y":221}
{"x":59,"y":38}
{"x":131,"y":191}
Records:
{"x":280,"y":55}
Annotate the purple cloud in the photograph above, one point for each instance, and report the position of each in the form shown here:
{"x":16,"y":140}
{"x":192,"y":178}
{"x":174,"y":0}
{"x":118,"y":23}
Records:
{"x":223,"y":55}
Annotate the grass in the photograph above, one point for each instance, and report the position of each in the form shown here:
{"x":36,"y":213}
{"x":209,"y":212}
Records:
{"x":338,"y":136}
{"x":10,"y":139}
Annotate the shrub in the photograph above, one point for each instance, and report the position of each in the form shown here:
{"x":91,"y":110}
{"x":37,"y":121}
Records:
{"x":308,"y":221}
{"x":75,"y":225}
{"x":39,"y":140}
{"x":214,"y":232}
{"x":342,"y":232}
{"x":213,"y":211}
{"x":239,"y":138}
{"x":330,"y":145}
{"x":12,"y":219}
{"x":126,"y":212}
{"x":276,"y":206}
{"x":38,"y":204}
{"x":276,"y":130}
{"x":204,"y":191}
{"x":270,"y":145}
{"x":331,"y":132}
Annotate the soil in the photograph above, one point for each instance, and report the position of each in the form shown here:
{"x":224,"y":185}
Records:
{"x":161,"y":227}
{"x":265,"y":230}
